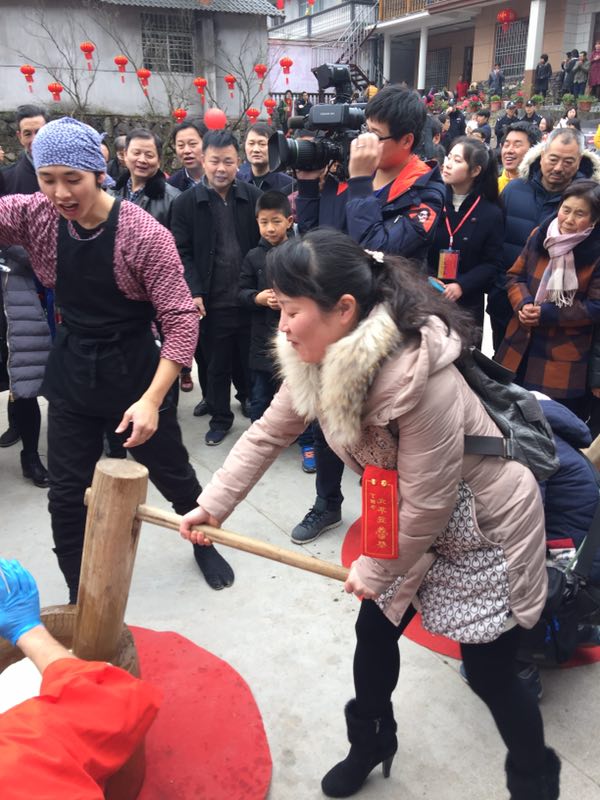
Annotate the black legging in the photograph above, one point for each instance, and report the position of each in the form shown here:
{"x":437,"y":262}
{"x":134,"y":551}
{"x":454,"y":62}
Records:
{"x":24,"y":415}
{"x":490,"y":668}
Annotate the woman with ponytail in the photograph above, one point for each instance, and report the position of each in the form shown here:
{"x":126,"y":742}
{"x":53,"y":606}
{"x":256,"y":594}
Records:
{"x":466,"y":254}
{"x":368,"y":347}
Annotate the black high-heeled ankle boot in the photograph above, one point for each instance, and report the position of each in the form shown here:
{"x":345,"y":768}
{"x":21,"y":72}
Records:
{"x":372,"y":742}
{"x":543,"y":786}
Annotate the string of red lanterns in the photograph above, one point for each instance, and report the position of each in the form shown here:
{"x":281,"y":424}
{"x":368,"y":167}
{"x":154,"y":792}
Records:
{"x":55,"y":89}
{"x":87,"y":48}
{"x":285,"y":63}
{"x":506,"y":17}
{"x":121,"y":62}
{"x":28,"y":71}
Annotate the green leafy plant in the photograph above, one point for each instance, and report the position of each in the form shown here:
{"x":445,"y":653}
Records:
{"x":568,"y":100}
{"x":537,"y":99}
{"x":495,"y":98}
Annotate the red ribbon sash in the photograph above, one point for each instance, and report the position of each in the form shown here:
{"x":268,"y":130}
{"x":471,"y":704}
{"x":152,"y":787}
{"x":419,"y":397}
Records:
{"x":380,"y":512}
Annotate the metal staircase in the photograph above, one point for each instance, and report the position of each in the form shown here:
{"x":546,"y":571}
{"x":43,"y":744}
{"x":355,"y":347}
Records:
{"x":352,"y":40}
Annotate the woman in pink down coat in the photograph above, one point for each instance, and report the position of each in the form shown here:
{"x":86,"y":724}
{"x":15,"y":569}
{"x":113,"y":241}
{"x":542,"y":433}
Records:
{"x":368,"y":348}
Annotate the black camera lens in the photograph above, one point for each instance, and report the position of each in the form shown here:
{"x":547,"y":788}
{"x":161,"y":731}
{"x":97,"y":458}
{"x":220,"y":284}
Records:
{"x":301,"y":154}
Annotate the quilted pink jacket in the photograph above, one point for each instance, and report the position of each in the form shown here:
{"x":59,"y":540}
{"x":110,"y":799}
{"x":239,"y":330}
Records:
{"x":471,"y":528}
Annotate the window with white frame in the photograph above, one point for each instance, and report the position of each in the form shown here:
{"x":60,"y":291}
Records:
{"x":509,"y":49}
{"x":438,"y":68}
{"x":168,"y":42}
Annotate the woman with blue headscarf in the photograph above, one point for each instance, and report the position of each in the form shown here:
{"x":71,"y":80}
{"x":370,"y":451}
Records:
{"x":114,"y":270}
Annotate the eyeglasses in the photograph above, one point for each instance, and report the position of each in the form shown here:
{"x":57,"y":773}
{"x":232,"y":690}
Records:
{"x":364,"y":129}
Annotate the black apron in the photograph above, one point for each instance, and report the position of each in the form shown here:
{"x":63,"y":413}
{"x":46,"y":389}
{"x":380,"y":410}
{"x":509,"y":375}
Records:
{"x":104,"y":355}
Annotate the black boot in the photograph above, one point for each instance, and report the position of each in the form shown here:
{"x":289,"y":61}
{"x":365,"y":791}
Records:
{"x":373,"y":742}
{"x":544,"y":786}
{"x":33,"y":469}
{"x":9,"y":437}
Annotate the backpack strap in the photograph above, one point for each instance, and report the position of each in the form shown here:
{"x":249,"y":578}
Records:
{"x":489,"y":446}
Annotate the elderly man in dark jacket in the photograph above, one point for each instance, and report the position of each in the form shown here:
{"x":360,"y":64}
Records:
{"x":214,"y":225}
{"x":546,"y":171}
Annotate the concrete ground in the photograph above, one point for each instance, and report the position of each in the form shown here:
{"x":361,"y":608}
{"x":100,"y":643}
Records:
{"x":290,"y":635}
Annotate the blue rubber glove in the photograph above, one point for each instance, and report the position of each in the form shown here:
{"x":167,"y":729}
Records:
{"x":19,"y":601}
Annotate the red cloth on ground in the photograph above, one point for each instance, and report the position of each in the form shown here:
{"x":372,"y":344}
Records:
{"x":87,"y":721}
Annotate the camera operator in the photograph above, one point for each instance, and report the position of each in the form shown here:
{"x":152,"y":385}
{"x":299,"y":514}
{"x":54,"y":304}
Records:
{"x":391,"y":202}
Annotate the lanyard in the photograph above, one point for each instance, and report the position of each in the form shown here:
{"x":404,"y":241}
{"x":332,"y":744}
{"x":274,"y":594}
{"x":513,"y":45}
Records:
{"x":451,"y":232}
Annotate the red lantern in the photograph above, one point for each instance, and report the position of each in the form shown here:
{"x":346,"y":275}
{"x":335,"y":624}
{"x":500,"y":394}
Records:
{"x":28,"y":71}
{"x":506,"y":17}
{"x":143,"y":75}
{"x":87,"y":48}
{"x":200,"y":84}
{"x":230,"y":81}
{"x":121,"y":62}
{"x":253,"y":114}
{"x":285,"y":63}
{"x":55,"y":89}
{"x":179,"y":114}
{"x":309,"y":6}
{"x":270,"y":105}
{"x":215,"y":119}
{"x":261,"y":71}
{"x":280,"y":5}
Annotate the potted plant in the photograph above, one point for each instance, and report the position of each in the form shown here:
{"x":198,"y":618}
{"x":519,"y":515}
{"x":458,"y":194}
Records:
{"x":584,"y":102}
{"x":568,"y":101}
{"x":519,"y":100}
{"x":495,"y":102}
{"x":537,"y":99}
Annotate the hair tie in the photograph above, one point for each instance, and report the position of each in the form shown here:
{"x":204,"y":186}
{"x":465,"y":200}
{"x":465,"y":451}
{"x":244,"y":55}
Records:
{"x":377,"y":259}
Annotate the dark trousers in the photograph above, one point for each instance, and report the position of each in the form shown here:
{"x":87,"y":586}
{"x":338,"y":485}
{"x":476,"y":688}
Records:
{"x":264,"y":386}
{"x":491,"y":670}
{"x":330,"y":469}
{"x":224,"y":335}
{"x":74,"y":447}
{"x":24,"y":416}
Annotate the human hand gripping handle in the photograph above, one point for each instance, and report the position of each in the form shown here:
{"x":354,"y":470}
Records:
{"x":19,"y":601}
{"x":354,"y":585}
{"x":197,"y":516}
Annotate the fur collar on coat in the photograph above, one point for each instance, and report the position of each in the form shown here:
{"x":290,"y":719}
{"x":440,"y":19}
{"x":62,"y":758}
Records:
{"x":351,"y":390}
{"x":336,"y":389}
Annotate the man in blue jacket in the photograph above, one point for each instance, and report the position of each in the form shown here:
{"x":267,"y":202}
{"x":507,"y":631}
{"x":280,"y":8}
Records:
{"x":545,"y":172}
{"x":391,"y":203}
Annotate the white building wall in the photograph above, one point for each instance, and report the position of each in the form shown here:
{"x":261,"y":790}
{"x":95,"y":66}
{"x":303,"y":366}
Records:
{"x":579,"y":24}
{"x":234,"y":38}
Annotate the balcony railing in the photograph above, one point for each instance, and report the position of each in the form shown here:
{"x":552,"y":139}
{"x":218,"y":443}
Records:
{"x":392,"y":9}
{"x":322,"y":24}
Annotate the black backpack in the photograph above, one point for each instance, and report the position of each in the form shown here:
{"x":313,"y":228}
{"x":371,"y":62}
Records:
{"x":526,"y":434}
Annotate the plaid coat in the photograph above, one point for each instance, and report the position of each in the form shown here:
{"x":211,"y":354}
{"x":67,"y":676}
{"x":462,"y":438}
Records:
{"x":558,"y":348}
